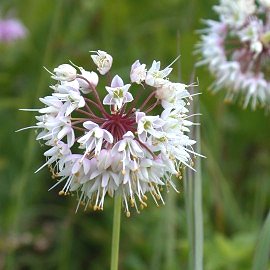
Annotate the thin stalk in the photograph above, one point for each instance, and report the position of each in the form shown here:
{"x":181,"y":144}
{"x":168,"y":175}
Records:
{"x":193,"y":200}
{"x":95,"y":94}
{"x":148,"y":99}
{"x":170,"y":223}
{"x":116,"y":232}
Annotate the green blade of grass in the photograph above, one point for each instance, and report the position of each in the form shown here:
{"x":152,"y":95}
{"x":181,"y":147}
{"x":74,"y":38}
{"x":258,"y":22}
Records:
{"x":262,"y":251}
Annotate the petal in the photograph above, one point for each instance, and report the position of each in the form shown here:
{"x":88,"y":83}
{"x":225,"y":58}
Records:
{"x":105,"y":179}
{"x":107,"y":136}
{"x":90,"y":125}
{"x":117,"y":81}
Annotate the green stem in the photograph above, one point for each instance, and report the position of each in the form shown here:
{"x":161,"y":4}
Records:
{"x":193,"y":201}
{"x":116,"y":232}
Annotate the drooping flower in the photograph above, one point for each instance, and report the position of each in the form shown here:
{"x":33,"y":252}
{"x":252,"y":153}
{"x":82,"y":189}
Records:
{"x":236,"y":49}
{"x":116,"y":147}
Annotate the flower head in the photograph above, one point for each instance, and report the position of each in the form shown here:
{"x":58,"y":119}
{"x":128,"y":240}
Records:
{"x":116,"y":147}
{"x":11,"y":29}
{"x":236,"y":49}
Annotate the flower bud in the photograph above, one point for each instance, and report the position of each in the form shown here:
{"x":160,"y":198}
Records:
{"x":91,"y":77}
{"x":65,"y":72}
{"x":103,"y":61}
{"x":138,"y":72}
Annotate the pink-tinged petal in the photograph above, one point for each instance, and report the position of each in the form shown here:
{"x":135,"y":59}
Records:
{"x":98,"y":133}
{"x":105,"y":179}
{"x":86,"y":165}
{"x":128,"y":97}
{"x":135,"y":65}
{"x":136,"y":147}
{"x":76,"y":167}
{"x":90,"y":125}
{"x":107,"y":136}
{"x":122,"y":146}
{"x":139,"y":115}
{"x":129,"y":135}
{"x":64,"y":131}
{"x":126,"y":178}
{"x":51,"y":151}
{"x":117,"y":81}
{"x":95,"y":174}
{"x":70,"y":138}
{"x":70,"y":109}
{"x":107,"y":100}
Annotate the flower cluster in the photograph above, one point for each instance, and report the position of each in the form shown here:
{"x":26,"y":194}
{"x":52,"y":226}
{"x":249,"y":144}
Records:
{"x":237,"y":50}
{"x":115,"y":145}
{"x":11,"y":29}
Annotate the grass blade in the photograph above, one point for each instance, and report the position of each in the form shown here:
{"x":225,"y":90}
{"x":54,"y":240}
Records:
{"x":262,"y":251}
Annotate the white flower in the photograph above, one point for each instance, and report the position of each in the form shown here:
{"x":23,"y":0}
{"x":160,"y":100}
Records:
{"x":235,"y":48}
{"x":235,"y":12}
{"x":138,"y":72}
{"x":129,"y":148}
{"x":57,"y":154}
{"x":149,"y":125}
{"x":65,"y":72}
{"x":118,"y":93}
{"x":103,"y":61}
{"x":89,"y":77}
{"x":172,"y":94}
{"x":118,"y":147}
{"x":54,"y":105}
{"x":71,"y":98}
{"x":155,"y":76}
{"x":94,"y":138}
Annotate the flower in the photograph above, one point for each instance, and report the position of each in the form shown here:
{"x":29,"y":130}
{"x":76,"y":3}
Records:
{"x":155,"y":76}
{"x":138,"y":72}
{"x":115,"y":147}
{"x":103,"y":61}
{"x":118,"y":93}
{"x":236,"y":49}
{"x":11,"y":30}
{"x":65,"y":72}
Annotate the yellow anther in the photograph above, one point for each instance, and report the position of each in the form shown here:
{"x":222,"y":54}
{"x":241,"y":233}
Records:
{"x":132,"y":202}
{"x":61,"y":192}
{"x":144,"y":204}
{"x":128,"y":214}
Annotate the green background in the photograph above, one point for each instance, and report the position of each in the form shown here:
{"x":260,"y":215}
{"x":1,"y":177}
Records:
{"x":39,"y":229}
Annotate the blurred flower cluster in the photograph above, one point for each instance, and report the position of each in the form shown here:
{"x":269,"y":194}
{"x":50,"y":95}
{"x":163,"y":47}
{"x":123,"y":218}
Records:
{"x":11,"y":29}
{"x":236,"y":49}
{"x":115,"y":144}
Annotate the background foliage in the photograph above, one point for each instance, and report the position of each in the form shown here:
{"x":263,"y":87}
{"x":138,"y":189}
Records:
{"x":39,"y":229}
